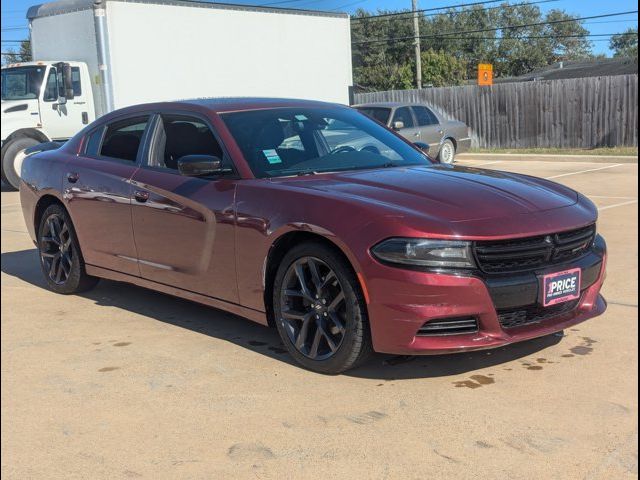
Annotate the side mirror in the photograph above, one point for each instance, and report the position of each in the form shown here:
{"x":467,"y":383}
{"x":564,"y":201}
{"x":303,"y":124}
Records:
{"x":425,"y":147}
{"x":201,"y":166}
{"x":65,"y":82}
{"x":398,"y":125}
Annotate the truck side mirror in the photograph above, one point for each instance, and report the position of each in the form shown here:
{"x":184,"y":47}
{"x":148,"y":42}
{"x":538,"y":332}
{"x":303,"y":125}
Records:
{"x":65,"y":83}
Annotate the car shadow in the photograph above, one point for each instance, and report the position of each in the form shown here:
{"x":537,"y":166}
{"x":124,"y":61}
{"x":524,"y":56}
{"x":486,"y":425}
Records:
{"x":215,"y":323}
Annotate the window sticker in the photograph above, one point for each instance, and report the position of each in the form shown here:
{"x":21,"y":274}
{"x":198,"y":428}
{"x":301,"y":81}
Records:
{"x":272,"y":156}
{"x":301,"y":118}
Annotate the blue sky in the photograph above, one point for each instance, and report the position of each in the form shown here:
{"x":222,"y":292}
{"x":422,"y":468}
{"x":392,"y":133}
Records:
{"x":14,"y":22}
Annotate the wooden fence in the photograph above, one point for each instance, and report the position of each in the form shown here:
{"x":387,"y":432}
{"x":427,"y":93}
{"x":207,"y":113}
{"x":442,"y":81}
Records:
{"x":574,"y":113}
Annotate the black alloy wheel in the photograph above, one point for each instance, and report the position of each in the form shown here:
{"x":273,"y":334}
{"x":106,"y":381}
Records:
{"x":313,"y":308}
{"x":60,"y":256}
{"x":319,"y":309}
{"x":56,"y":252}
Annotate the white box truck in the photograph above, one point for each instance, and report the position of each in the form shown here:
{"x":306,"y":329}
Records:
{"x":94,"y":56}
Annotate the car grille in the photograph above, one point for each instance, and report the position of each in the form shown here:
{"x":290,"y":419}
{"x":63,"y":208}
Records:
{"x":518,"y":317}
{"x":533,"y":252}
{"x":449,"y":326}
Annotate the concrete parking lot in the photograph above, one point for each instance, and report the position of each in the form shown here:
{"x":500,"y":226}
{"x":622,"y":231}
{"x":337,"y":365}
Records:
{"x":122,"y":382}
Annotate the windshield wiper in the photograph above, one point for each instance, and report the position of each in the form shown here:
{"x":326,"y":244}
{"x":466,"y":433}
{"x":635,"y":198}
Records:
{"x":389,"y":165}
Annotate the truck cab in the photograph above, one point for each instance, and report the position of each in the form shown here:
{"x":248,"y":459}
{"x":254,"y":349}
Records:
{"x":41,"y":102}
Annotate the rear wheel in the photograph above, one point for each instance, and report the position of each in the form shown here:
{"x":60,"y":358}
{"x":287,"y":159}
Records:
{"x":60,"y":257}
{"x":12,"y":158}
{"x":447,"y":152}
{"x":319,"y":310}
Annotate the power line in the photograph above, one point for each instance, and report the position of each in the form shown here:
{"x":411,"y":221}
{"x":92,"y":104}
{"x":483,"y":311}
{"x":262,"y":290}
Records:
{"x":485,"y":30}
{"x":409,"y":12}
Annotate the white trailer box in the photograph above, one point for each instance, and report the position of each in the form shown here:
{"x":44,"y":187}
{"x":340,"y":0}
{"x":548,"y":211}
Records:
{"x":143,"y":51}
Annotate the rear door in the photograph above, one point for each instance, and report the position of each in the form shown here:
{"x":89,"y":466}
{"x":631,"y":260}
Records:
{"x":431,"y":131}
{"x":98,"y":189}
{"x":409,"y":129}
{"x":64,"y":121}
{"x":184,"y":226}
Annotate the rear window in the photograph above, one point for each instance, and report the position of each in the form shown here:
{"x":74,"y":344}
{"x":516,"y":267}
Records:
{"x":377,"y":113}
{"x":122,"y":139}
{"x":425,"y":117}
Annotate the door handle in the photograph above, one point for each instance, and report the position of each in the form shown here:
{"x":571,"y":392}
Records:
{"x":141,"y":196}
{"x":73,"y":177}
{"x":441,"y":132}
{"x":417,"y":134}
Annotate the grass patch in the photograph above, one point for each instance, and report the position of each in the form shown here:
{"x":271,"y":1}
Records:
{"x":622,"y":151}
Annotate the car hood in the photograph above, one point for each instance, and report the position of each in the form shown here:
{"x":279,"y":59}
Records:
{"x":458,"y":194}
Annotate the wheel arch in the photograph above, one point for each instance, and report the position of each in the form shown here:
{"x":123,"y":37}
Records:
{"x":279,"y":248}
{"x":42,"y":204}
{"x":27,"y":133}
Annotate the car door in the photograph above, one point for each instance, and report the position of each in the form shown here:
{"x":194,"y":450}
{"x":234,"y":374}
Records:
{"x":98,"y":190}
{"x":184,"y":226}
{"x":431,"y":131}
{"x":62,"y":121}
{"x":409,"y":129}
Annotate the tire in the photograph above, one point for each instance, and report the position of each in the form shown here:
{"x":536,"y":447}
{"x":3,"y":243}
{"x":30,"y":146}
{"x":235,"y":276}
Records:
{"x":447,"y":153}
{"x":343,"y":325}
{"x":11,"y":152}
{"x":58,"y":247}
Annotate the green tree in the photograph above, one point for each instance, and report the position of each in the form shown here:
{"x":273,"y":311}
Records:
{"x":442,"y":69}
{"x":568,"y":38}
{"x":22,"y":55}
{"x":625,"y":44}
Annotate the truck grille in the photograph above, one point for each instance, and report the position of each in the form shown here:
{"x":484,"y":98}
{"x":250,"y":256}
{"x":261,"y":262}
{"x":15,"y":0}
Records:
{"x":449,"y":326}
{"x":529,"y":253}
{"x":518,"y":317}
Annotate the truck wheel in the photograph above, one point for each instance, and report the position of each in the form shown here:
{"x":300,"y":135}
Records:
{"x":447,"y":152}
{"x":12,"y":158}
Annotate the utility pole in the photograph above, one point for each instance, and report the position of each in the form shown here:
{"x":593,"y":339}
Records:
{"x":416,"y":33}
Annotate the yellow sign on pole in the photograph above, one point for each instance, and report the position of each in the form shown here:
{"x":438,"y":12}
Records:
{"x":485,"y":74}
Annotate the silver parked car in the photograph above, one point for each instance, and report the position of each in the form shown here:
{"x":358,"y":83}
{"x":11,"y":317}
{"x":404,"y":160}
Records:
{"x":418,"y":123}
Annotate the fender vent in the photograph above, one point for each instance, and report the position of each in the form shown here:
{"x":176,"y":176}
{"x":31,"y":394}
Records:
{"x":449,"y":326}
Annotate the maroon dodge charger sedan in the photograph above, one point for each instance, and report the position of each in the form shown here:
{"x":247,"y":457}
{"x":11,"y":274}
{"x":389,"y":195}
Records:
{"x":263,"y":208}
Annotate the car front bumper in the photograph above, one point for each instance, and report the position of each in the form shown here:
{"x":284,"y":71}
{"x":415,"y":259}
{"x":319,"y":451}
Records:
{"x":403,"y":301}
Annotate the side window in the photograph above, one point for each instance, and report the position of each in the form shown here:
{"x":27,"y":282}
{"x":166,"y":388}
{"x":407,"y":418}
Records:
{"x":51,"y":87}
{"x":75,"y":80}
{"x":403,"y":114}
{"x":180,"y":135}
{"x":425,"y":117}
{"x":93,"y":142}
{"x":123,"y":138}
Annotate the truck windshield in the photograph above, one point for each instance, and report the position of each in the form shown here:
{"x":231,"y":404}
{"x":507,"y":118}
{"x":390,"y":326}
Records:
{"x":22,"y":83}
{"x":302,"y":141}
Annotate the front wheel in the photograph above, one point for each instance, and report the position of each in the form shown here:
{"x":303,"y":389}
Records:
{"x":320,"y":311}
{"x":447,"y":152}
{"x":60,"y":257}
{"x":12,"y":157}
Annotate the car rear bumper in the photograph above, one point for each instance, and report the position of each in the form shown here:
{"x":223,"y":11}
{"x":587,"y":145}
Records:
{"x":463,"y":145}
{"x":403,"y":302}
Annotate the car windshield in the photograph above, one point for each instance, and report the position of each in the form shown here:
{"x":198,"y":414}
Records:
{"x":377,"y":113}
{"x":21,"y":83}
{"x":297,"y":141}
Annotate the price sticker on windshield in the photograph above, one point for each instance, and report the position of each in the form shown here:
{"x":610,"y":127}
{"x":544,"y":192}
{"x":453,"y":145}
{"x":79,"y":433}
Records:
{"x":272,"y":156}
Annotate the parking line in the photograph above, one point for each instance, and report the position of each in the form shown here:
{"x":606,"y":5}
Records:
{"x":617,"y":205}
{"x":487,"y":163}
{"x":585,"y":171}
{"x":617,"y":198}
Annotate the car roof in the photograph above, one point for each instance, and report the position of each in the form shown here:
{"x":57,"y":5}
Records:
{"x":387,"y":105}
{"x":226,"y":104}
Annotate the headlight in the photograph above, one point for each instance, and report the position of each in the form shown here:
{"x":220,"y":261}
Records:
{"x":427,"y":253}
